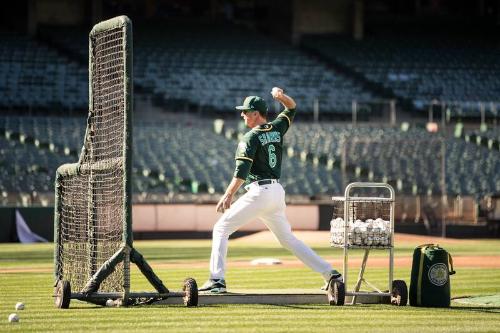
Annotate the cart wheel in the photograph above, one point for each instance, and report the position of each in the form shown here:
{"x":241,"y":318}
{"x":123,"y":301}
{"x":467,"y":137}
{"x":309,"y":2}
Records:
{"x":336,"y":293}
{"x":399,"y":294}
{"x":191,"y":289}
{"x":63,"y":294}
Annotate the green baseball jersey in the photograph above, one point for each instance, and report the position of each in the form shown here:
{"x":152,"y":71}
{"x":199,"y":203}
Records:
{"x":259,"y":152}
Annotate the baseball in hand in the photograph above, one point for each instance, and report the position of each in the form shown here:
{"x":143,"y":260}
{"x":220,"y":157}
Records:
{"x":275,"y":92}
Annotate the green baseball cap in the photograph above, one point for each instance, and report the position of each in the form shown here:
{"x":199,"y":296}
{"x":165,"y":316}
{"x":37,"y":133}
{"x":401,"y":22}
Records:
{"x":253,"y":103}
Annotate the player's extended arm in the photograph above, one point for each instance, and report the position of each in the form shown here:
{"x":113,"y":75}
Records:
{"x":225,"y":202}
{"x":279,"y":95}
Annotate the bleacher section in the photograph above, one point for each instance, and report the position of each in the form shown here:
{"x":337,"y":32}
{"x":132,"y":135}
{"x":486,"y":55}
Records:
{"x":216,"y":67}
{"x":187,"y":156}
{"x":410,"y":160}
{"x":33,"y":75}
{"x":457,"y":71}
{"x":169,"y":157}
{"x":489,"y":138}
{"x":26,"y":173}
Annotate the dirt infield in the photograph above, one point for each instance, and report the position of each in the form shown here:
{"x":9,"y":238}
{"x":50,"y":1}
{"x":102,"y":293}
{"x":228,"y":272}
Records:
{"x":471,"y":262}
{"x":312,"y":238}
{"x":323,"y":236}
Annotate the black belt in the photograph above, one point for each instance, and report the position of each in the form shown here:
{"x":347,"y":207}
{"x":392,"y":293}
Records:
{"x":262,"y":182}
{"x":267,"y":181}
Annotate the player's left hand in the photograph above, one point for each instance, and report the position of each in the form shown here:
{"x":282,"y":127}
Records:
{"x":224,"y":203}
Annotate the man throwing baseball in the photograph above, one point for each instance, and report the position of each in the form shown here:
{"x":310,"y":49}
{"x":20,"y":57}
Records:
{"x":258,"y":165}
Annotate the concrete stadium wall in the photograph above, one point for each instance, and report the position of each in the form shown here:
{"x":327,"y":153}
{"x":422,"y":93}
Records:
{"x":157,"y":221}
{"x":188,"y":217}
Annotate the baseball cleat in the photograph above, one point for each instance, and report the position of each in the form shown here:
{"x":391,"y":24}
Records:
{"x":214,"y":286}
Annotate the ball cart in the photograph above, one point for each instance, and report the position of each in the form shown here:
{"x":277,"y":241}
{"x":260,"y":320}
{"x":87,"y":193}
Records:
{"x":364,"y":219}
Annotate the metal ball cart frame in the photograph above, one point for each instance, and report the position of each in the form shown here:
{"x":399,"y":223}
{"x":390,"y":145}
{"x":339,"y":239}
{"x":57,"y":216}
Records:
{"x":352,"y":208}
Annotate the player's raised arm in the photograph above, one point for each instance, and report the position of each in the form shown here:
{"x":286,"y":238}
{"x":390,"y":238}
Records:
{"x":279,"y":95}
{"x":289,"y":112}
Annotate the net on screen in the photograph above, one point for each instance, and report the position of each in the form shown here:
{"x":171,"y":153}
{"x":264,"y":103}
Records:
{"x":93,"y":195}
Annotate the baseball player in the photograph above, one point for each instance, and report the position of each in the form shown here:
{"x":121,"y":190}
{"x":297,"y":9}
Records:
{"x":258,"y":166}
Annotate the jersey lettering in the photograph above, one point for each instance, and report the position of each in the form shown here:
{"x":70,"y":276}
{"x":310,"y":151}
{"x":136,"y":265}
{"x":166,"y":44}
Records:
{"x":262,"y":147}
{"x":269,"y":137}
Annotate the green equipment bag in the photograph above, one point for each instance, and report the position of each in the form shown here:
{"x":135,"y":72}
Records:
{"x":430,"y":276}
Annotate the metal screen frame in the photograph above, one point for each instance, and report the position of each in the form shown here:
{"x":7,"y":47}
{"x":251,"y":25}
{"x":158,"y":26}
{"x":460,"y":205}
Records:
{"x":126,"y":253}
{"x":125,"y":23}
{"x":73,"y":169}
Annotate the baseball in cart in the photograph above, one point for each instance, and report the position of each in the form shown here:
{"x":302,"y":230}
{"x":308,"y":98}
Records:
{"x":364,"y":219}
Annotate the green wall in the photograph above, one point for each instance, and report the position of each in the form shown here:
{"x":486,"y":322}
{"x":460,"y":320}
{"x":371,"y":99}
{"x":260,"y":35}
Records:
{"x":39,"y":219}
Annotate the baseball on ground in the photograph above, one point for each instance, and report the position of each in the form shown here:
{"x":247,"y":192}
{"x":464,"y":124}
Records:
{"x":13,"y":318}
{"x":19,"y":306}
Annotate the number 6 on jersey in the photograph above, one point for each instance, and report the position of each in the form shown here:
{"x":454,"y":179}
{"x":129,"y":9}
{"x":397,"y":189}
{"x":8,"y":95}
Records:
{"x":272,"y":156}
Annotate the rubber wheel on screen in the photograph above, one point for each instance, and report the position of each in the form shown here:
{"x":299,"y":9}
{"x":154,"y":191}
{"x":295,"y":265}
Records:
{"x":399,"y":294}
{"x":63,"y":294}
{"x":191,"y":292}
{"x":336,"y":293}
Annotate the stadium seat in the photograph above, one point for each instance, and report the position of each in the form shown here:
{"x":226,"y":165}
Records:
{"x":421,"y":68}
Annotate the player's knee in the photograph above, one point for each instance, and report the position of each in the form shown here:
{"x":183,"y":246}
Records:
{"x":218,"y":229}
{"x":221,"y":229}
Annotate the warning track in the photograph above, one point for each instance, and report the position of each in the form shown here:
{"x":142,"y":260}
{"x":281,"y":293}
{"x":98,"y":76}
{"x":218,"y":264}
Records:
{"x":317,"y":238}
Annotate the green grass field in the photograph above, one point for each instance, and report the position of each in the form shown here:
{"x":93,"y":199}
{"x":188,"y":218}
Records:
{"x":26,"y":275}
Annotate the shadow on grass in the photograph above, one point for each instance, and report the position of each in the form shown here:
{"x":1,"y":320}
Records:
{"x":363,"y":307}
{"x":316,"y":307}
{"x":484,"y":309}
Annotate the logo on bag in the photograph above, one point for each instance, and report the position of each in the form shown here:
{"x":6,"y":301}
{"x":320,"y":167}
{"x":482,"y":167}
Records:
{"x":438,"y":274}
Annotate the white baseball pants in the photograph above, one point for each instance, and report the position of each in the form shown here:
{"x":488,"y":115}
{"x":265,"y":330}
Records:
{"x":267,"y":203}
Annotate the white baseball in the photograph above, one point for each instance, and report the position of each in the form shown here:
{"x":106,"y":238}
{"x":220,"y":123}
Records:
{"x":19,"y":306}
{"x":13,"y":318}
{"x":110,"y":302}
{"x":275,"y":91}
